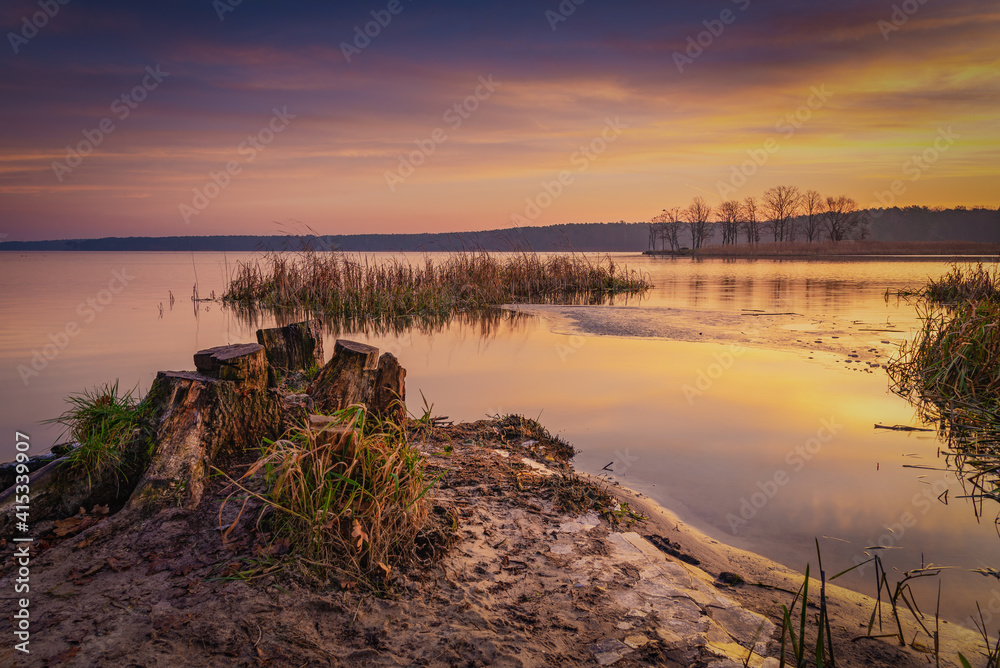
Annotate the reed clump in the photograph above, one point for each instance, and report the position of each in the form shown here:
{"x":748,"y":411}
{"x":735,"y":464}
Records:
{"x":951,"y":371}
{"x":341,"y":284}
{"x":348,"y":497}
{"x":951,"y":368}
{"x":965,"y":283}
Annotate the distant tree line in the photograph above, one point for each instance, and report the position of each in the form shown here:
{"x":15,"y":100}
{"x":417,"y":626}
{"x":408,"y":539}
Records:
{"x":782,"y":213}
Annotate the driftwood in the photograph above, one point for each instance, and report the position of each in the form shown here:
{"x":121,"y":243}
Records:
{"x":357,"y":375}
{"x":55,"y":495}
{"x":295,"y":347}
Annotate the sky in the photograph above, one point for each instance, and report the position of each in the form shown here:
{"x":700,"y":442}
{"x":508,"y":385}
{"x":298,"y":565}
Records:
{"x":251,"y":117}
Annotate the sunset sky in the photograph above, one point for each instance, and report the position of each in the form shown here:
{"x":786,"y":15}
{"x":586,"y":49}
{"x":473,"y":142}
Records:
{"x":636,"y":106}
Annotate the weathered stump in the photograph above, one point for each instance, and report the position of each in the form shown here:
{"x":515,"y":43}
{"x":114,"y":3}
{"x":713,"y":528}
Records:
{"x":295,"y":347}
{"x":244,"y":363}
{"x":344,"y":379}
{"x":225,"y":409}
{"x":356,"y":375}
{"x":388,"y":390}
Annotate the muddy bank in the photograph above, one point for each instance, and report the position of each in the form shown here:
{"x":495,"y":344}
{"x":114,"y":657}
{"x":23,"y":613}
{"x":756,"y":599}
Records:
{"x":522,"y":562}
{"x":539,"y":571}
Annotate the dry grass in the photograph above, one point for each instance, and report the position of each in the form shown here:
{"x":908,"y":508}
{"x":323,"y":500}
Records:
{"x":965,"y":283}
{"x":846,"y":248}
{"x":951,"y":371}
{"x":348,"y":497}
{"x":351,"y":286}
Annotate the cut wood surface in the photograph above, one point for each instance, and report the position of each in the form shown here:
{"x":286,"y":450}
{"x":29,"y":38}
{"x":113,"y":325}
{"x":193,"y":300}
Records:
{"x":240,"y":362}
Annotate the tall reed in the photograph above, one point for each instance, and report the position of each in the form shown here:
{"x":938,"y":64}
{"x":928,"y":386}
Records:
{"x":951,"y":372}
{"x":337,"y":283}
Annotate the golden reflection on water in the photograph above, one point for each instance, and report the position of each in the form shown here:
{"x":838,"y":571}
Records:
{"x":617,"y":399}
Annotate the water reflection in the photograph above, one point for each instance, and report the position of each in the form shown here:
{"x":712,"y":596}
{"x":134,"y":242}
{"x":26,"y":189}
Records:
{"x":486,"y":323}
{"x":614,"y":397}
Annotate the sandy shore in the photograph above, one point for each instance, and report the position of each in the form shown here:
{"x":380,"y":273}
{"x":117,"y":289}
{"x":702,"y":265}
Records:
{"x":538,"y":571}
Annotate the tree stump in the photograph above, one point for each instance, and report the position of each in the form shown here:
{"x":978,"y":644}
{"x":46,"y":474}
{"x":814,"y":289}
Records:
{"x":387,"y":398}
{"x":295,"y":347}
{"x":199,"y":418}
{"x":356,"y":375}
{"x":241,"y":362}
{"x":202,"y":418}
{"x":344,"y":379}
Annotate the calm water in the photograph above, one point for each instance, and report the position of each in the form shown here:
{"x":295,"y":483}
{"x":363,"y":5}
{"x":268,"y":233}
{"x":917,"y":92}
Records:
{"x":755,"y":429}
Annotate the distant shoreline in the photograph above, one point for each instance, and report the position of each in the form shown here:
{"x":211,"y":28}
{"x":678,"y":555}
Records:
{"x":846,"y":250}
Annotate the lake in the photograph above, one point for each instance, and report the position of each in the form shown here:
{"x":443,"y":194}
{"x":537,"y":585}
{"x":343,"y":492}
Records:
{"x":741,"y":394}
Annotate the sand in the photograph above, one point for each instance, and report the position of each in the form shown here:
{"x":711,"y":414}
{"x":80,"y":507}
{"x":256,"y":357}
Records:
{"x":525,"y":582}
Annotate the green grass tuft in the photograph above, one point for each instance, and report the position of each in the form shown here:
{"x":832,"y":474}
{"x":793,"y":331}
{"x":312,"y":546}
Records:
{"x":112,"y":431}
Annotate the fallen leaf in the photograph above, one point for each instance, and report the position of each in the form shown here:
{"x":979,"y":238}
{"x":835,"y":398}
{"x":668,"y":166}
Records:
{"x":359,"y":533}
{"x":67,"y":526}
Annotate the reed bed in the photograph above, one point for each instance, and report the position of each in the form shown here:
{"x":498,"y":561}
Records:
{"x":351,"y":286}
{"x":965,"y":283}
{"x":348,"y":498}
{"x":951,"y":371}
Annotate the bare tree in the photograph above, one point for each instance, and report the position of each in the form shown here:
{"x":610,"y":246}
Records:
{"x":728,"y":214}
{"x":666,"y":227}
{"x":781,"y":204}
{"x":812,"y":208}
{"x":751,"y":226}
{"x":697,"y":215}
{"x":842,"y":219}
